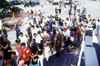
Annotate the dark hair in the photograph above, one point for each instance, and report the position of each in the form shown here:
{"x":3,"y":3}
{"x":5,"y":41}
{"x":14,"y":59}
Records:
{"x":14,"y":53}
{"x":32,"y":25}
{"x":17,"y":40}
{"x":23,"y":44}
{"x":21,"y":33}
{"x":34,"y":39}
{"x":98,"y":20}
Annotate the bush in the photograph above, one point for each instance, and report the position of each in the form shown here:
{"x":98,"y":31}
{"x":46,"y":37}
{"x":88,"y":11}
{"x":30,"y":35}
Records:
{"x":15,"y":9}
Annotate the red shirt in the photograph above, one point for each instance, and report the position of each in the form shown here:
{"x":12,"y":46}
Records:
{"x":25,"y":53}
{"x":79,"y":31}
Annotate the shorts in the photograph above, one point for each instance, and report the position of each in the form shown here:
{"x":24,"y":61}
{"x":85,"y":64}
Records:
{"x":98,"y":27}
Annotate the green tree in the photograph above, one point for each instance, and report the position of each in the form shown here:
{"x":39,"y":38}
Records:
{"x":6,"y":9}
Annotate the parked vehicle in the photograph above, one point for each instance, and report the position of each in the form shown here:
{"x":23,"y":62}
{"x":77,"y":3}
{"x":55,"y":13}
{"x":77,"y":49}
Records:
{"x":15,"y":2}
{"x":31,"y":3}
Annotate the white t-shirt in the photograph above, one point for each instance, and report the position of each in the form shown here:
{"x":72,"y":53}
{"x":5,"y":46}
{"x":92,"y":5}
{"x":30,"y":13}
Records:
{"x":23,"y":39}
{"x":34,"y":31}
{"x":68,"y":32}
{"x":38,"y":39}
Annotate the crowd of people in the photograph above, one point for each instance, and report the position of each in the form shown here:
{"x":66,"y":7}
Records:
{"x":44,"y":35}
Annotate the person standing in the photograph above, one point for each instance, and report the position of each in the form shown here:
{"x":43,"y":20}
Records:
{"x":34,"y":60}
{"x":58,"y":39}
{"x":17,"y":32}
{"x":47,"y":50}
{"x":7,"y":54}
{"x":33,"y":46}
{"x":29,"y":34}
{"x":23,"y":38}
{"x":56,"y":10}
{"x":4,"y":31}
{"x":32,"y":14}
{"x":41,"y":54}
{"x":25,"y":54}
{"x":18,"y":46}
{"x":75,"y":9}
{"x":97,"y":26}
{"x":60,"y":9}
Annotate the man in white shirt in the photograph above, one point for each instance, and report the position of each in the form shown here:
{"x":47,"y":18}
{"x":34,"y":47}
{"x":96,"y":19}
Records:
{"x":37,"y":37}
{"x":33,"y":30}
{"x":23,"y":38}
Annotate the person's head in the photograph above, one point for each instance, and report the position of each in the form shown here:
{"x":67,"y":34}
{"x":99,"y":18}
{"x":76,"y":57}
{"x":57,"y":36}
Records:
{"x":16,"y":27}
{"x":21,"y":34}
{"x":48,"y":31}
{"x":74,"y":14}
{"x":64,"y":29}
{"x":98,"y":20}
{"x":3,"y":27}
{"x":34,"y":19}
{"x":89,"y":15}
{"x":35,"y":34}
{"x":38,"y":47}
{"x":23,"y":45}
{"x":69,"y":27}
{"x":33,"y":27}
{"x":30,"y":25}
{"x":39,"y":32}
{"x":33,"y":41}
{"x":67,"y":19}
{"x":17,"y":41}
{"x":4,"y":38}
{"x":13,"y":54}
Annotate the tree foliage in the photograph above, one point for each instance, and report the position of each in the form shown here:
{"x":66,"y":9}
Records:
{"x":6,"y":9}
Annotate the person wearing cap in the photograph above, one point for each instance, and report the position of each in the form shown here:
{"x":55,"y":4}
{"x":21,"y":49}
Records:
{"x":18,"y":46}
{"x":25,"y":54}
{"x":5,"y":40}
{"x":23,"y":39}
{"x":4,"y":31}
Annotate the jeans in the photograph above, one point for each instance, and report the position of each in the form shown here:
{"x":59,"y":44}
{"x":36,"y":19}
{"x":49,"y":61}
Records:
{"x":34,"y":65}
{"x":1,"y":62}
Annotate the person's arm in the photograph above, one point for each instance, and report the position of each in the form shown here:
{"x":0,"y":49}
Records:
{"x":27,"y":34}
{"x":43,"y":53}
{"x":35,"y":60}
{"x":15,"y":26}
{"x":30,"y":61}
{"x":41,"y":36}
